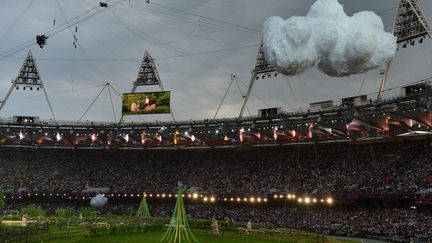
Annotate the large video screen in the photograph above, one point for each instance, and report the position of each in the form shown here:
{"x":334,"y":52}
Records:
{"x":146,"y":103}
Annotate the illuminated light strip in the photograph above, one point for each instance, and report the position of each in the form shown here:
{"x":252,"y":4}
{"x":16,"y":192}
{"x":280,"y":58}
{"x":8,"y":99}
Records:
{"x":302,"y":200}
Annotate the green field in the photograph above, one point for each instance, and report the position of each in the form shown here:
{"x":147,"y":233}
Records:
{"x":128,"y":229}
{"x":203,"y":237}
{"x":78,"y":234}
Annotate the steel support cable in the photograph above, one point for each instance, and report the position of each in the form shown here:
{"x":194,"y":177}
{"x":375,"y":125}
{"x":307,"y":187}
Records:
{"x":225,"y":95}
{"x":112,"y":103}
{"x":194,"y":21}
{"x":362,"y":83}
{"x":241,"y":93}
{"x":207,"y":18}
{"x":292,"y":91}
{"x":53,"y":31}
{"x":17,"y":20}
{"x":91,"y":104}
{"x":118,"y":93}
{"x":255,"y":94}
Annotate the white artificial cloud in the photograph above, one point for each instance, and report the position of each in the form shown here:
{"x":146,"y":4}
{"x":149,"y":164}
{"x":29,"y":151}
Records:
{"x":340,"y":45}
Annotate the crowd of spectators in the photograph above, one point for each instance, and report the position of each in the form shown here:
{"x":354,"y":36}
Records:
{"x":391,"y":167}
{"x":327,"y":168}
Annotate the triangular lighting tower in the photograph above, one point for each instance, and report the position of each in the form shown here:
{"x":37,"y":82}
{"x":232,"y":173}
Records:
{"x":29,"y":74}
{"x":261,"y":64}
{"x":410,"y":23}
{"x":262,"y":67}
{"x":28,"y":78}
{"x":147,"y":74}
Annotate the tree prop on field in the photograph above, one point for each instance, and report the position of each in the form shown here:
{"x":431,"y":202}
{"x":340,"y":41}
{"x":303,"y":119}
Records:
{"x":143,"y":210}
{"x":179,"y":230}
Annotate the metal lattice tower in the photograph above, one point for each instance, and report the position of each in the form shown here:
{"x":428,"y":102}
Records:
{"x":410,"y":22}
{"x":262,"y":67}
{"x":261,"y":64}
{"x":28,"y":74}
{"x":410,"y":25}
{"x":147,"y":74}
{"x":28,"y":77}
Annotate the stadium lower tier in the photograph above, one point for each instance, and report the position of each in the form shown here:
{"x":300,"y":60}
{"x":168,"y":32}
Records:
{"x":319,"y":169}
{"x":397,"y":224}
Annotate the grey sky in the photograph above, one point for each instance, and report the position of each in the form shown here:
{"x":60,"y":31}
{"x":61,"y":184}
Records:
{"x":112,"y":43}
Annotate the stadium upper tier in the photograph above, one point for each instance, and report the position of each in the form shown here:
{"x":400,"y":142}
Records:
{"x":353,"y":118}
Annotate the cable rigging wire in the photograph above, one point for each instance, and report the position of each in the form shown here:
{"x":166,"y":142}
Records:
{"x":17,"y":20}
{"x":206,"y":18}
{"x":57,"y":29}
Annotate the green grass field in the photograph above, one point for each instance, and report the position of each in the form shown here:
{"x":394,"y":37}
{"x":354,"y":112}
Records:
{"x":203,"y":237}
{"x":77,"y":234}
{"x":113,"y":229}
